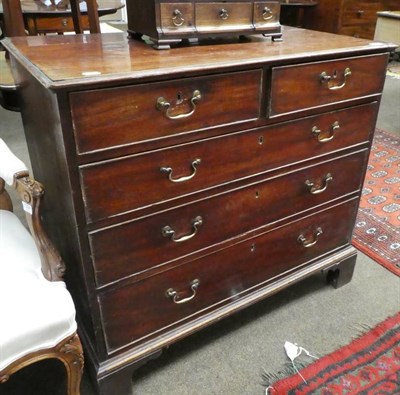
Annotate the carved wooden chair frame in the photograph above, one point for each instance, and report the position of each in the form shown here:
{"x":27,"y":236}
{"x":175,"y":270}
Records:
{"x":68,"y":351}
{"x":14,"y":22}
{"x":14,"y":26}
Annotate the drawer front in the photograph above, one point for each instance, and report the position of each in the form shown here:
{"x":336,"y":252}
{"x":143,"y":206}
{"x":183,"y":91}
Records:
{"x":361,"y":12}
{"x":118,"y":186}
{"x":177,"y":18}
{"x":223,"y":16}
{"x":265,"y":14}
{"x":56,"y":25}
{"x":146,"y":308}
{"x":162,"y":238}
{"x":107,"y":118}
{"x":311,"y":85}
{"x":361,"y":31}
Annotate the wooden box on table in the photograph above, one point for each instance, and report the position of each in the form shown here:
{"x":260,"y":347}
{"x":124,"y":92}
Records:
{"x":166,"y":22}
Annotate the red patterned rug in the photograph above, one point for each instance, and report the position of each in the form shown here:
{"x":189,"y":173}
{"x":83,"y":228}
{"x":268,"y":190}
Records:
{"x":370,"y":365}
{"x":377,"y":230}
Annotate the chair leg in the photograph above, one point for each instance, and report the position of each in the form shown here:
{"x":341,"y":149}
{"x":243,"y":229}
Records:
{"x":68,"y":351}
{"x":71,"y":354}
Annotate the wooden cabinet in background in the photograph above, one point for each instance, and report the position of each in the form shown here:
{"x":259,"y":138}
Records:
{"x":349,"y":17}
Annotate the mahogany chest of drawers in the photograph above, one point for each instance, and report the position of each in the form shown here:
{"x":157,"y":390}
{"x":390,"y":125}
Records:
{"x":165,"y":22}
{"x":349,"y":17}
{"x":185,"y":185}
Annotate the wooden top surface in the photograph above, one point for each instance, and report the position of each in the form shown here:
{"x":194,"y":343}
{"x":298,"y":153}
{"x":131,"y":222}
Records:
{"x":66,"y":61}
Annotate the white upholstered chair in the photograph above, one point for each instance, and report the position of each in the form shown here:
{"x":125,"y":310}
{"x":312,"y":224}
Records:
{"x":37,"y":315}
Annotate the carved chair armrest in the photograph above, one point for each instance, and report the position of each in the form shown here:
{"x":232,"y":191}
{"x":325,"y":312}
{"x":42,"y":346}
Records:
{"x":31,"y":193}
{"x":5,"y":201}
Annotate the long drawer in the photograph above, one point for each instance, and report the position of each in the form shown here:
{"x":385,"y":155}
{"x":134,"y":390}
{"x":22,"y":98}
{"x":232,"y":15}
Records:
{"x":163,"y":237}
{"x":118,"y":186}
{"x":107,"y":118}
{"x":311,"y":85}
{"x":144,"y":309}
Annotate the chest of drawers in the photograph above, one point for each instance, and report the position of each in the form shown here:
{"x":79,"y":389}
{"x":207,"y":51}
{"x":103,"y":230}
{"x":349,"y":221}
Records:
{"x":183,"y":187}
{"x":165,"y":22}
{"x":349,"y":17}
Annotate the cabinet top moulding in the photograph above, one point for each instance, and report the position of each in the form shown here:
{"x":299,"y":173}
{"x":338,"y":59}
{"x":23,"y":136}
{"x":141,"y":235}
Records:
{"x":106,"y":59}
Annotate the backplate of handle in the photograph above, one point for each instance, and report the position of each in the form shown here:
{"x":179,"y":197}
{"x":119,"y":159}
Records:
{"x":177,"y":18}
{"x":331,"y":79}
{"x":224,"y":14}
{"x":169,"y":171}
{"x":167,"y":231}
{"x":317,"y":132}
{"x":163,"y":105}
{"x":267,"y":13}
{"x":309,"y":243}
{"x":315,"y":190}
{"x":172,"y":293}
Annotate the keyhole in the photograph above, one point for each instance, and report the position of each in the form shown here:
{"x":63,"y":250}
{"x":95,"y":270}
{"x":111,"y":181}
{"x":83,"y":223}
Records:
{"x":179,"y":98}
{"x":261,"y":140}
{"x":257,"y":194}
{"x":334,"y":74}
{"x":253,"y":247}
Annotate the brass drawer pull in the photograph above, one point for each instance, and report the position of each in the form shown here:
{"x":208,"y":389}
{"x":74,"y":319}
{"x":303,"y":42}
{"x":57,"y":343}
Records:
{"x":169,"y":170}
{"x":315,"y":190}
{"x":317,"y":132}
{"x":167,"y":231}
{"x":178,"y":19}
{"x":171,"y":293}
{"x":302,"y":239}
{"x":329,"y":79}
{"x":267,"y":13}
{"x":164,"y":105}
{"x":224,"y":14}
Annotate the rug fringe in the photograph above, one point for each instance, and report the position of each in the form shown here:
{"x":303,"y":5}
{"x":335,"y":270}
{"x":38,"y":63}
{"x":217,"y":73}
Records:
{"x":384,"y":336}
{"x":269,"y":378}
{"x":361,"y":329}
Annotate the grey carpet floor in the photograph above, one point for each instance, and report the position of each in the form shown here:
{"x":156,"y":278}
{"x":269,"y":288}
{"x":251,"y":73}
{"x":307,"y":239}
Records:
{"x":229,"y":357}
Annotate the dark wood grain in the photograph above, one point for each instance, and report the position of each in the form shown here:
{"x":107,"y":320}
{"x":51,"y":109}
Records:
{"x":224,"y":217}
{"x":12,"y":17}
{"x":301,"y":87}
{"x":166,"y":23}
{"x":97,"y":142}
{"x":117,"y":186}
{"x":113,"y":57}
{"x":234,"y":97}
{"x":254,"y":262}
{"x":351,"y":17}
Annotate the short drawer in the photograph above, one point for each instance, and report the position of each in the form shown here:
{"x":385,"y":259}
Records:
{"x":223,"y":16}
{"x":126,"y":184}
{"x":55,"y":25}
{"x":265,"y":14}
{"x":177,"y":17}
{"x":360,"y":12}
{"x":143,"y":309}
{"x":312,"y":85}
{"x":164,"y":237}
{"x":107,"y":118}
